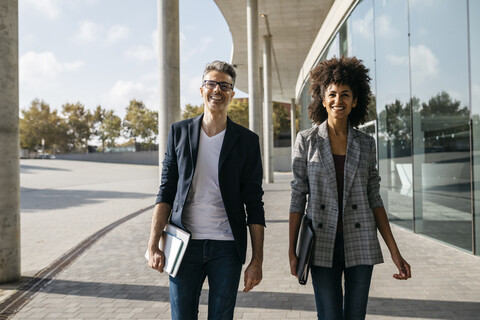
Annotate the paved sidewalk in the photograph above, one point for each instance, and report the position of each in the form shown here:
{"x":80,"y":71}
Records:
{"x":111,"y":279}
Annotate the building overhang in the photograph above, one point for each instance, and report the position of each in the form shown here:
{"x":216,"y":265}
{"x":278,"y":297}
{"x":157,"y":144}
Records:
{"x":293,"y":25}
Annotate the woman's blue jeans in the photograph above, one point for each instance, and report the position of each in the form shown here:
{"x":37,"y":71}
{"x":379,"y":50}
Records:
{"x":327,"y":285}
{"x":217,"y":260}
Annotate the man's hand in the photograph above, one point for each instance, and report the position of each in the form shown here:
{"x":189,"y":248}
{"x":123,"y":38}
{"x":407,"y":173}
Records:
{"x":253,"y":275}
{"x":156,"y":259}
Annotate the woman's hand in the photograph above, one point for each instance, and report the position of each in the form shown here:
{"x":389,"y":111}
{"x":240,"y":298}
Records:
{"x":294,"y":221}
{"x":404,"y":271}
{"x":293,"y":263}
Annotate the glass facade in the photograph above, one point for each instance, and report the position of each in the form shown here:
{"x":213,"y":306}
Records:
{"x":474,"y":32}
{"x":425,"y":112}
{"x":440,"y":110}
{"x":394,"y":109}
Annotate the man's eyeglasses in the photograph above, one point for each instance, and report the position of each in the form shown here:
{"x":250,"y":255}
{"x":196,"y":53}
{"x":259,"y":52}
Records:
{"x":224,"y":86}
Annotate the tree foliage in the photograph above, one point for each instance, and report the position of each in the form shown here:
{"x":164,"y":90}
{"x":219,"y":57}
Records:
{"x":281,"y":119}
{"x":75,"y":126}
{"x":107,"y":126}
{"x":191,"y":111}
{"x":141,"y":123}
{"x":79,"y":121}
{"x":39,"y":122}
{"x":238,"y":111}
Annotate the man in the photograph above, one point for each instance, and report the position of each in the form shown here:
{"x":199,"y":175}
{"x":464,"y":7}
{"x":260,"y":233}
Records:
{"x":212,"y":174}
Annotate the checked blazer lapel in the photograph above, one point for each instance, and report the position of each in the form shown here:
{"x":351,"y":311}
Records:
{"x":327,"y":158}
{"x":193,"y":136}
{"x":351,"y":162}
{"x":231,"y":136}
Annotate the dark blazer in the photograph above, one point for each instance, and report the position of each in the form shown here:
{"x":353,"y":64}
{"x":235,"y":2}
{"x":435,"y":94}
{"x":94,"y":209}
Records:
{"x":315,"y":186}
{"x":240,"y":175}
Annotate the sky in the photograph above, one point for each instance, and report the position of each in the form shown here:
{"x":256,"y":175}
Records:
{"x":104,"y":52}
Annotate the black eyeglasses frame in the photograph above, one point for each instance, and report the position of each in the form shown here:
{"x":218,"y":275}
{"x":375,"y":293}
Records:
{"x":224,"y":86}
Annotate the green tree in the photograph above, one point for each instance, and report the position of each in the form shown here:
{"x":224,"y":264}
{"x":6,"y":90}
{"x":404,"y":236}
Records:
{"x":395,"y":121}
{"x":79,"y":121}
{"x":372,"y":109}
{"x":106,"y":126}
{"x":141,"y":123}
{"x":281,"y":120}
{"x":39,"y":122}
{"x":443,"y":105}
{"x":191,"y":111}
{"x":443,"y":117}
{"x":238,"y":111}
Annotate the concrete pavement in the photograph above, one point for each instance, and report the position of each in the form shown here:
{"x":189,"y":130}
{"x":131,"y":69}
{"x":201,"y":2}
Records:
{"x":109,"y":278}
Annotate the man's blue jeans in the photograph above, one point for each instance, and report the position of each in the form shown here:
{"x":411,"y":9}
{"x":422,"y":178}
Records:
{"x":217,"y":260}
{"x":327,"y":285}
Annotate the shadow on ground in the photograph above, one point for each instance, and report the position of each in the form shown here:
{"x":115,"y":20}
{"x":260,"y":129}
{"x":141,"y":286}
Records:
{"x":410,"y":308}
{"x":24,"y":168}
{"x":54,"y":199}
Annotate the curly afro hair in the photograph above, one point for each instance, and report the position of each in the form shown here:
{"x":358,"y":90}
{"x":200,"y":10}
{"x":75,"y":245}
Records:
{"x":345,"y":71}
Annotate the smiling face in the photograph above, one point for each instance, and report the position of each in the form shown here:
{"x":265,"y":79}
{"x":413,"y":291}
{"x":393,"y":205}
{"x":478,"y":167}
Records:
{"x":216,"y":100}
{"x":339,"y":101}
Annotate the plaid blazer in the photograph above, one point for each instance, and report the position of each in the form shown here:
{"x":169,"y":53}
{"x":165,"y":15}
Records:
{"x":314,"y":181}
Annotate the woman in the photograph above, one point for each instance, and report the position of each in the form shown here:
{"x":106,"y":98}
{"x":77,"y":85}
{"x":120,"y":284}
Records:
{"x":334,"y":167}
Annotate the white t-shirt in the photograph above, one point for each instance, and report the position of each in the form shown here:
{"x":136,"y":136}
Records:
{"x":204,"y":213}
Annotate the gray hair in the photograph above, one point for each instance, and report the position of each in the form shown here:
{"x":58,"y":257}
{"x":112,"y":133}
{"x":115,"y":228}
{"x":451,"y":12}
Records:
{"x":220,"y":66}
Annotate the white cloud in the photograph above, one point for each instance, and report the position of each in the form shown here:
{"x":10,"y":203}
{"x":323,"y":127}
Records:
{"x":364,"y":26}
{"x":42,"y":69}
{"x":195,"y":48}
{"x":385,"y":28}
{"x":425,"y":64}
{"x":145,"y":52}
{"x":456,"y":95}
{"x":423,"y":3}
{"x":88,"y":32}
{"x":476,"y":93}
{"x":122,"y":92}
{"x":193,"y":88}
{"x":142,"y":53}
{"x":398,"y":60}
{"x":49,"y":9}
{"x":117,"y":33}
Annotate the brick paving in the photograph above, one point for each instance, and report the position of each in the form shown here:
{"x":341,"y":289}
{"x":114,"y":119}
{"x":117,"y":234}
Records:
{"x":111,"y":279}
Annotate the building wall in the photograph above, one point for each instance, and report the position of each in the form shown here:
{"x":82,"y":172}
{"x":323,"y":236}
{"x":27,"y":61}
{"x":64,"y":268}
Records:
{"x":282,"y":159}
{"x":426,"y":90}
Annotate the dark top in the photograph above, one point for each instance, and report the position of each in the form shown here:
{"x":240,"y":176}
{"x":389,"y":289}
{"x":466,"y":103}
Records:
{"x":240,"y":175}
{"x":339,"y":169}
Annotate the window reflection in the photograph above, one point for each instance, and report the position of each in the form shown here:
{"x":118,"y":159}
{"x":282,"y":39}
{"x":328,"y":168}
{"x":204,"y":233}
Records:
{"x":394,"y":110}
{"x":305,"y":98}
{"x":439,"y":81}
{"x":356,"y":38}
{"x":474,"y":20}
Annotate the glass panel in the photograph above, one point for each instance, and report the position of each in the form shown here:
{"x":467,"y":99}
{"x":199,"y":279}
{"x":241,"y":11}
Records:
{"x":474,"y":19}
{"x":393,"y":108}
{"x":441,"y":137}
{"x":357,"y":39}
{"x":333,"y":49}
{"x":305,"y":98}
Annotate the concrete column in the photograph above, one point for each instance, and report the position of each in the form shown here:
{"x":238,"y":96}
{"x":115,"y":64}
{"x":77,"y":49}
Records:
{"x":254,"y":95}
{"x":293,"y":127}
{"x":169,"y":68}
{"x":9,"y":144}
{"x":267,"y":110}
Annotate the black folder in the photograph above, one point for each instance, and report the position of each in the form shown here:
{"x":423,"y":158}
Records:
{"x":304,"y":249}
